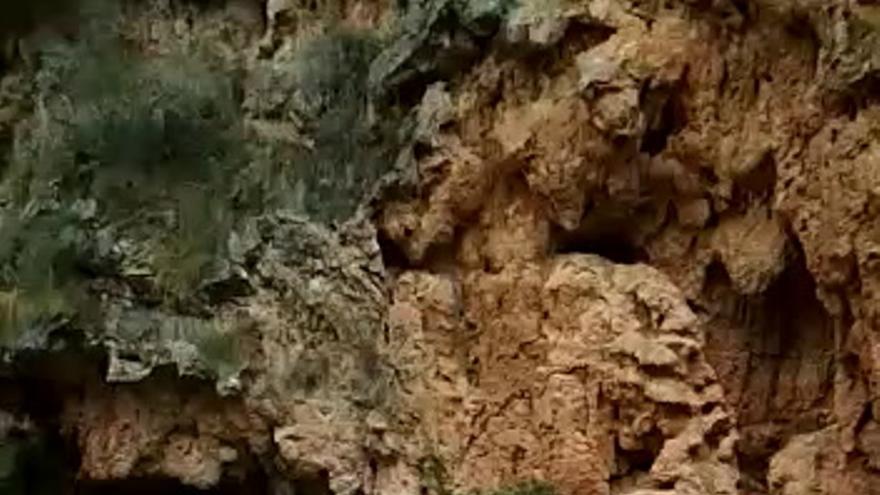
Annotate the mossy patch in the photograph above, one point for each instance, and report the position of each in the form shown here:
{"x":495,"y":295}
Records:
{"x":151,"y":144}
{"x":349,"y":142}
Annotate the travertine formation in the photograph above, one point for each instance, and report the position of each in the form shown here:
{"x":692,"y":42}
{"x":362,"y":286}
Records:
{"x":574,"y":370}
{"x":626,"y":248}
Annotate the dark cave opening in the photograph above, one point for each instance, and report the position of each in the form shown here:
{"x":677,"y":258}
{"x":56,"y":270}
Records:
{"x":669,"y":117}
{"x":617,"y":249}
{"x":632,"y":464}
{"x":32,"y":390}
{"x":45,"y":455}
{"x":614,"y":244}
{"x":142,"y":486}
{"x":318,"y":484}
{"x":774,"y":354}
{"x":393,"y":256}
{"x":254,"y":483}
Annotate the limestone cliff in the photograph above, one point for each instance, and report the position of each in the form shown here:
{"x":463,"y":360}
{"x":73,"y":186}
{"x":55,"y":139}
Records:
{"x":440,"y":247}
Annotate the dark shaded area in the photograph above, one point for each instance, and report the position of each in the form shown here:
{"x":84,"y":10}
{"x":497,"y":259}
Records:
{"x":21,"y":16}
{"x":255,"y":483}
{"x":393,"y":256}
{"x":633,"y":463}
{"x":607,"y":231}
{"x":313,"y":485}
{"x":668,"y":116}
{"x":18,"y":18}
{"x":36,"y":385}
{"x":757,"y":185}
{"x":774,"y":353}
{"x":613,"y":247}
{"x":42,"y":464}
{"x":143,"y":486}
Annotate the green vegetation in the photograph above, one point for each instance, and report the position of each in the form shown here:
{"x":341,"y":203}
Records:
{"x":140,"y":166}
{"x":346,"y":142}
{"x":220,"y":350}
{"x":526,"y":488}
{"x":352,"y":148}
{"x":132,"y":132}
{"x":139,"y":137}
{"x":436,"y":480}
{"x":154,"y":144}
{"x":434,"y":476}
{"x":39,"y":272}
{"x":217,"y":341}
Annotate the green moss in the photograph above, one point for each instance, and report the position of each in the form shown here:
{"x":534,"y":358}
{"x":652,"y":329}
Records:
{"x":138,"y":131}
{"x":436,"y":479}
{"x":434,"y":476}
{"x":353,"y":143}
{"x":39,"y":274}
{"x":219,"y":349}
{"x":526,"y":488}
{"x":142,"y":138}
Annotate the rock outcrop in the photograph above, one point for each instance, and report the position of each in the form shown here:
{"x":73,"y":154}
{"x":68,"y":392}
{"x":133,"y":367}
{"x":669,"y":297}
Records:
{"x":574,"y":370}
{"x":624,"y":248}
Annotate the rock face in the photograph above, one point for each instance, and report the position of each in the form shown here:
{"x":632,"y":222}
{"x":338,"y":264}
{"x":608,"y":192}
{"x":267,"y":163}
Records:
{"x":575,"y":370}
{"x":624,"y":248}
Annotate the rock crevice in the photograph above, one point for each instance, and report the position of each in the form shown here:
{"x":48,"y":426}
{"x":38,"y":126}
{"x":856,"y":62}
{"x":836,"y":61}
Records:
{"x":624,"y":248}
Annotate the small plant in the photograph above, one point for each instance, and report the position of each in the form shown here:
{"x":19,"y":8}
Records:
{"x":434,"y":477}
{"x":526,"y":488}
{"x":352,"y":145}
{"x":141,"y":138}
{"x":154,"y":144}
{"x":188,"y":252}
{"x":332,"y":71}
{"x":219,"y":349}
{"x":217,"y":343}
{"x":436,"y":480}
{"x":39,"y":272}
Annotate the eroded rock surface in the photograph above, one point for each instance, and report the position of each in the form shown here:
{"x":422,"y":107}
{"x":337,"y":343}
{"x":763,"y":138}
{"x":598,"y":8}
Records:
{"x":620,"y":247}
{"x":576,"y":370}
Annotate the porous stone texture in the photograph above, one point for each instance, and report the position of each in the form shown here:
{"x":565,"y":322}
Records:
{"x":574,"y":370}
{"x":629,"y":248}
{"x":679,"y":137}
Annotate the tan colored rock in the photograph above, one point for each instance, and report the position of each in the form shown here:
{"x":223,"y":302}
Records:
{"x":132,"y":434}
{"x":556,"y":416}
{"x":727,"y":149}
{"x":693,"y":212}
{"x":797,"y":468}
{"x":752,"y":249}
{"x":194,"y":462}
{"x":647,"y":352}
